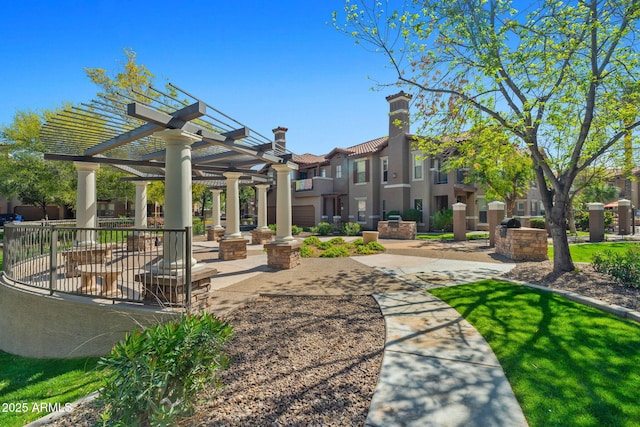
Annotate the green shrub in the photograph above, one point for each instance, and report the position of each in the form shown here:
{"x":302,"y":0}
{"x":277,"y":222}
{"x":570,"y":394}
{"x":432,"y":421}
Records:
{"x":198,"y":227}
{"x":375,"y":246}
{"x":337,"y":241}
{"x":442,"y":220}
{"x":351,"y":228}
{"x":358,"y":242}
{"x":537,"y":223}
{"x":324,"y":245}
{"x":153,"y":376}
{"x":295,"y":230}
{"x":272,"y":227}
{"x":324,"y":229}
{"x":306,"y":251}
{"x":624,"y":268}
{"x":364,"y":250}
{"x":412,"y":215}
{"x":391,"y":213}
{"x":336,"y":252}
{"x":312,"y":241}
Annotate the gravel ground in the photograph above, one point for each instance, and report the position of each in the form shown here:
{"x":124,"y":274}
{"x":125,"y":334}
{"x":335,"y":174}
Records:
{"x":310,"y":356}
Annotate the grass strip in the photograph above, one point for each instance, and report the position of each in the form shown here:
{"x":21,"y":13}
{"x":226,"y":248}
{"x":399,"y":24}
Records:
{"x":568,"y":364}
{"x":584,"y":252}
{"x":32,"y":388}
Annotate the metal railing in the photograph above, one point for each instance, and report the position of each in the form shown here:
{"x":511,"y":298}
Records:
{"x":143,"y":265}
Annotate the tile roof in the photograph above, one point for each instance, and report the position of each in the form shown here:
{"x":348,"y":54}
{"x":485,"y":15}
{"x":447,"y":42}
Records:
{"x":372,"y":146}
{"x":307,"y":159}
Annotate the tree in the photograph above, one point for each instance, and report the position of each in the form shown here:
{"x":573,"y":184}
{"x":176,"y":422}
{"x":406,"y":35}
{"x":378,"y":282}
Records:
{"x":24,"y":172}
{"x":497,"y":164}
{"x":552,"y":76}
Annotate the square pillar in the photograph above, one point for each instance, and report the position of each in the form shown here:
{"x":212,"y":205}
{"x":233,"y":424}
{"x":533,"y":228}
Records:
{"x":624,"y":217}
{"x":596,"y":222}
{"x":496,"y":215}
{"x":459,"y":222}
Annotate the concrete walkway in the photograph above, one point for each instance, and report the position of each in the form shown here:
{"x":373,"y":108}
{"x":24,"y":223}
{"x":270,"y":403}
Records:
{"x":437,"y":369}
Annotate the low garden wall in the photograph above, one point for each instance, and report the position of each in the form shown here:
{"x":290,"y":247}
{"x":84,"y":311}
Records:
{"x":406,"y":230}
{"x":521,"y":244}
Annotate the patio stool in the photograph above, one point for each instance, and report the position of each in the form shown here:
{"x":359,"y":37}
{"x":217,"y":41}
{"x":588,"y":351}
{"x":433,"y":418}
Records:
{"x":108,"y":274}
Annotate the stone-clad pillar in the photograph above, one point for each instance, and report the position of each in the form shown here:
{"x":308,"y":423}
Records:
{"x":496,"y":215}
{"x":86,"y":203}
{"x":596,"y":222}
{"x":177,"y":195}
{"x":624,"y":217}
{"x":459,"y":221}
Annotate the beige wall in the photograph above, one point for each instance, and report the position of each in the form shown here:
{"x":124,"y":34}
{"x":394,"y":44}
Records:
{"x":42,"y":326}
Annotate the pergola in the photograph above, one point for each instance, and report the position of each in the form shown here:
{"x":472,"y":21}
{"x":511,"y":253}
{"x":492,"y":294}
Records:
{"x":171,"y":135}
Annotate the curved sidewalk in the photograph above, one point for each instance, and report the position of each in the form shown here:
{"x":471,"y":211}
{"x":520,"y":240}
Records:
{"x":437,"y":369}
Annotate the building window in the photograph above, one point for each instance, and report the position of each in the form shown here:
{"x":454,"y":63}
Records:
{"x":461,"y":175}
{"x":417,"y":166}
{"x":384,"y":166}
{"x":417,"y":205}
{"x":439,"y":177}
{"x":362,"y":211}
{"x":482,"y":210}
{"x":360,"y":173}
{"x":384,"y":210}
{"x":534,"y":208}
{"x":520,"y":208}
{"x":323,"y":172}
{"x":302,"y":175}
{"x":338,"y":171}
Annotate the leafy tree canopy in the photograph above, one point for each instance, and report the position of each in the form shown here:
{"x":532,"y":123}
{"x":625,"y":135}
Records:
{"x":561,"y":77}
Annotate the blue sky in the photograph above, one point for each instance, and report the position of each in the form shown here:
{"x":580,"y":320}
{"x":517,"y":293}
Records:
{"x":265,"y":63}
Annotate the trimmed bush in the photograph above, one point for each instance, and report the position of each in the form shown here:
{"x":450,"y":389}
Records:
{"x":412,"y":215}
{"x":375,"y":246}
{"x":442,"y":220}
{"x":358,"y":242}
{"x":391,"y":213}
{"x":153,"y":376}
{"x":364,"y":250}
{"x":337,"y":241}
{"x":351,"y":228}
{"x":537,"y":223}
{"x":295,"y":230}
{"x":312,"y":241}
{"x":336,"y":252}
{"x":324,"y":245}
{"x":623,"y":268}
{"x":272,"y":227}
{"x":324,"y":229}
{"x":306,"y":251}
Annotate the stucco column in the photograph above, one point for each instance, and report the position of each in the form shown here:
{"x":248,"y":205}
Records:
{"x":233,"y":206}
{"x":215,"y":209}
{"x":177,"y":195}
{"x":141,"y":204}
{"x":283,"y":204}
{"x":262,"y":206}
{"x":624,"y":216}
{"x":496,"y":215}
{"x":459,"y":221}
{"x":596,"y":222}
{"x":86,"y":203}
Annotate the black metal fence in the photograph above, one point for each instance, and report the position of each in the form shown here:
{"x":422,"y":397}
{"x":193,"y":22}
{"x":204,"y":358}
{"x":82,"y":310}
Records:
{"x":115,"y":261}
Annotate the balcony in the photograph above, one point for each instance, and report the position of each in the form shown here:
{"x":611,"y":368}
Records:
{"x":312,"y":187}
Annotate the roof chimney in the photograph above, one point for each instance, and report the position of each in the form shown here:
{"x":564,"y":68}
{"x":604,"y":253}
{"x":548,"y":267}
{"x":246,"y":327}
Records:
{"x":399,"y":117}
{"x":280,"y":142}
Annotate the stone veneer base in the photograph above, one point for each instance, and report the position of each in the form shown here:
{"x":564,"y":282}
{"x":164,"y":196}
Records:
{"x":522,"y":244}
{"x":406,"y":230}
{"x":215,"y":234}
{"x":283,"y":255}
{"x":171,"y":289}
{"x":261,"y":237}
{"x":231,"y":249}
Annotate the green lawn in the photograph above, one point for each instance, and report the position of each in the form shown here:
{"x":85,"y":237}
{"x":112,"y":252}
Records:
{"x":584,"y":252}
{"x":568,"y":364}
{"x":29,"y":386}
